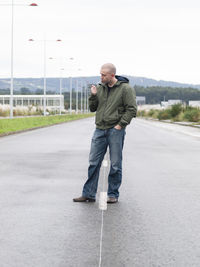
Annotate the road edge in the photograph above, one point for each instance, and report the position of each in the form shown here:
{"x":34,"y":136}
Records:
{"x":172,"y":122}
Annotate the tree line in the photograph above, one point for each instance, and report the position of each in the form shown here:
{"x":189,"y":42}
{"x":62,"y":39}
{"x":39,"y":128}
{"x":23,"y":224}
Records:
{"x":156,"y":94}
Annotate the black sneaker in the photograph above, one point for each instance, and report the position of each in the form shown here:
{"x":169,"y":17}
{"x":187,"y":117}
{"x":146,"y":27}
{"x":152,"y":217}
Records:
{"x":83,"y":199}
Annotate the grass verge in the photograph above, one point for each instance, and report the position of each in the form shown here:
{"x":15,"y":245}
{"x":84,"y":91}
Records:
{"x":175,"y":113}
{"x":20,"y":124}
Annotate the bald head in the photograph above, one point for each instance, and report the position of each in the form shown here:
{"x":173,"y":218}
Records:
{"x":108,"y":72}
{"x":109,"y":67}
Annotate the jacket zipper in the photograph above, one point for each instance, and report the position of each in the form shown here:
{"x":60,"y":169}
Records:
{"x":106,"y":89}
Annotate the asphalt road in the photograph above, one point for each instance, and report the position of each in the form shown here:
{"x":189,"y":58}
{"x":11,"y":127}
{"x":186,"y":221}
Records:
{"x":155,"y":223}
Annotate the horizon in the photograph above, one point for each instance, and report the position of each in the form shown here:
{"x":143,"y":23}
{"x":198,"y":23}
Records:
{"x":133,"y":76}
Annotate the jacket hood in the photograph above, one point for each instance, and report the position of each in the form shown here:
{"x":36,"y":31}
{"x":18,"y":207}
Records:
{"x":122,"y":79}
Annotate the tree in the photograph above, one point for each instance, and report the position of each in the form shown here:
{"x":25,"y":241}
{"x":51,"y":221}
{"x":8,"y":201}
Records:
{"x":24,"y":91}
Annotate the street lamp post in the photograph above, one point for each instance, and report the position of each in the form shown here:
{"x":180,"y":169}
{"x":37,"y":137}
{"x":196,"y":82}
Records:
{"x":45,"y":79}
{"x":70,"y":86}
{"x":45,"y":83}
{"x":12,"y":51}
{"x":86,"y":94}
{"x":77,"y":86}
{"x":81,"y":96}
{"x":70,"y":100}
{"x":11,"y":71}
{"x":61,"y":90}
{"x":87,"y":99}
{"x":61,"y":61}
{"x":85,"y":104}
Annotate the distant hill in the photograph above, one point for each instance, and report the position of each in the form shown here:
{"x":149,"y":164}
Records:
{"x":147,"y":82}
{"x":53,"y":84}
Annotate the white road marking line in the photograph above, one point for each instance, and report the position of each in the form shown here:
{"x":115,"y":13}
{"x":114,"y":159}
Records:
{"x":103,"y":201}
{"x":101,"y":240}
{"x":105,"y":163}
{"x":102,"y":206}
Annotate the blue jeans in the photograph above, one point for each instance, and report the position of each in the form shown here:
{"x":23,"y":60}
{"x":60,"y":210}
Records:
{"x":114,"y":139}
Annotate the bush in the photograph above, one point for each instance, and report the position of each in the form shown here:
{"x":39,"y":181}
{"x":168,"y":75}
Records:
{"x":153,"y":113}
{"x":4,"y":110}
{"x":164,"y":114}
{"x":20,"y":111}
{"x":192,"y":115}
{"x":175,"y":110}
{"x":180,"y":117}
{"x":39,"y":111}
{"x":141,"y":113}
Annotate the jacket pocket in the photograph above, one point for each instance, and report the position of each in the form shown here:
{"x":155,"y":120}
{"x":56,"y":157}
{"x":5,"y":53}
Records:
{"x":98,"y":117}
{"x":112,"y":117}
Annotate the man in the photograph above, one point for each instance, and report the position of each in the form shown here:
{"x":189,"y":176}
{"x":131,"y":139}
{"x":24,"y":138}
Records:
{"x":115,"y":105}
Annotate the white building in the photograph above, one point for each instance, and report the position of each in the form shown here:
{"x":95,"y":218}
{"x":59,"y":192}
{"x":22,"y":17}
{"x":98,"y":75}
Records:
{"x":170,"y":102}
{"x":164,"y":104}
{"x":194,"y":103}
{"x":140,"y":100}
{"x":174,"y":102}
{"x":53,"y":102}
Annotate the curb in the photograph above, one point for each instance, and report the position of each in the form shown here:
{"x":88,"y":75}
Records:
{"x":172,"y":122}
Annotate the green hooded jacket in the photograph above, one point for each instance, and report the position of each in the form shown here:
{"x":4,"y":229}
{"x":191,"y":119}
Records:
{"x":113,"y":106}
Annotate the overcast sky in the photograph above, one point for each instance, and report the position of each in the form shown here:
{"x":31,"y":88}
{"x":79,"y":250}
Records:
{"x":158,"y":39}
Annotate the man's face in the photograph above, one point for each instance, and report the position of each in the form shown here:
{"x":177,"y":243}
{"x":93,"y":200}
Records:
{"x":106,"y":76}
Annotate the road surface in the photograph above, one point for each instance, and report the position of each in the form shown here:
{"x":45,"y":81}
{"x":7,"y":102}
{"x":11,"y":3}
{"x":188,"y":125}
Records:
{"x":156,"y":222}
